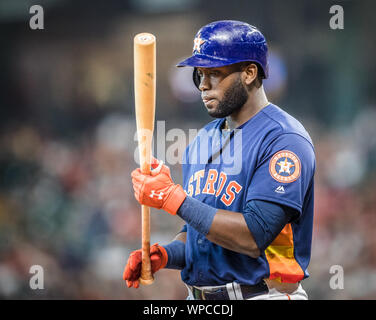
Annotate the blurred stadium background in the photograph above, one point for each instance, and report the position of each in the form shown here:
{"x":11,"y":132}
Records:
{"x":67,"y":129}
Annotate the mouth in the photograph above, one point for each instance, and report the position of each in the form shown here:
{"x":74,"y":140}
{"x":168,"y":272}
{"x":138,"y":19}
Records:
{"x":208,"y":101}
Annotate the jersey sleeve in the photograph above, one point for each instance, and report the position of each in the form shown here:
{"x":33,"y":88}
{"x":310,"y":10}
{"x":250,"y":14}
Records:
{"x":284,"y":173}
{"x":266,"y":220}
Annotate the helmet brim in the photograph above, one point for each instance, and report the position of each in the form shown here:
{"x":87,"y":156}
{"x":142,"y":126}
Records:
{"x":204,"y":61}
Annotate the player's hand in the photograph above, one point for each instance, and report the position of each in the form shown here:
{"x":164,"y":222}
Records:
{"x":157,"y":190}
{"x":132,"y":271}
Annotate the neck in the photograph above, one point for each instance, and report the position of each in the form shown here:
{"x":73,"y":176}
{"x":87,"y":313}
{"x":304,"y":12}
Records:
{"x":257,"y":100}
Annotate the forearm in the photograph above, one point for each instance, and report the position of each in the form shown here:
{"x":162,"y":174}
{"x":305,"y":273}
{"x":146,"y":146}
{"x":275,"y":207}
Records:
{"x":229,"y":230}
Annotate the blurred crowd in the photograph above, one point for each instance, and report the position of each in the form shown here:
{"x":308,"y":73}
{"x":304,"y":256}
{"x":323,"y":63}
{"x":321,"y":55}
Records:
{"x":70,"y":209}
{"x":67,"y":148}
{"x":345,"y":211}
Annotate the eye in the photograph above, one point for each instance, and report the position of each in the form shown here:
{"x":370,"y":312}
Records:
{"x":214,"y":73}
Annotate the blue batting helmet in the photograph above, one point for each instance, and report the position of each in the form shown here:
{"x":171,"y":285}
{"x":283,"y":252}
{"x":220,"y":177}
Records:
{"x":226,"y":42}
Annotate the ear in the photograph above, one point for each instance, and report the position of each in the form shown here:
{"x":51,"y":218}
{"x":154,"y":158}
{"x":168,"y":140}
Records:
{"x":250,"y":73}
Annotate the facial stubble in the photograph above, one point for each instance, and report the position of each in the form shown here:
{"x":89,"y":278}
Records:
{"x":233,"y":100}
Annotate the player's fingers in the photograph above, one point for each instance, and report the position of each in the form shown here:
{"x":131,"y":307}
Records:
{"x":157,"y":170}
{"x":154,"y":248}
{"x":133,"y":276}
{"x":136,"y":284}
{"x":126,"y":273}
{"x":136,"y":173}
{"x":165,"y":170}
{"x":137,"y":182}
{"x":155,"y":262}
{"x":129,"y":283}
{"x":127,"y":269}
{"x":137,"y":185}
{"x":135,"y":262}
{"x":129,"y":273}
{"x":154,"y":162}
{"x":137,"y":196}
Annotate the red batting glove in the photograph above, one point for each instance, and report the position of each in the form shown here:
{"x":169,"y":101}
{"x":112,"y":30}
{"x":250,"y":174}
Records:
{"x":157,"y":190}
{"x":132,"y":271}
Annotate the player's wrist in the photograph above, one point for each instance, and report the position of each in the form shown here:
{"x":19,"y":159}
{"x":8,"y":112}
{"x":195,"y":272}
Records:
{"x":175,"y":252}
{"x":197,"y":214}
{"x":175,"y":199}
{"x":164,"y":257}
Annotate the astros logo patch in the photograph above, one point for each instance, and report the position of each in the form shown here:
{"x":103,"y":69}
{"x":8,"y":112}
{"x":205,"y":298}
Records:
{"x":285,"y":166}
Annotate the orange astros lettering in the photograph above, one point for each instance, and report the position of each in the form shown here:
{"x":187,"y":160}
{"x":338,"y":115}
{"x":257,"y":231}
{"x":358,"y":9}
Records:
{"x":198,"y":175}
{"x":229,"y":196}
{"x":214,"y":185}
{"x":221,"y":183}
{"x":211,"y":179}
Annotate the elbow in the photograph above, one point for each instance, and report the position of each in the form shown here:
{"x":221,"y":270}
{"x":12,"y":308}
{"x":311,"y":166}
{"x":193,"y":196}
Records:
{"x":254,"y":253}
{"x":251,"y":250}
{"x":250,"y":246}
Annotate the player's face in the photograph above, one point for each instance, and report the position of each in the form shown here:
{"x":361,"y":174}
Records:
{"x":222,"y":90}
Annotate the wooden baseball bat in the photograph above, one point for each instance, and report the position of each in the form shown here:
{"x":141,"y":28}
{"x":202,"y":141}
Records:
{"x":144,"y":86}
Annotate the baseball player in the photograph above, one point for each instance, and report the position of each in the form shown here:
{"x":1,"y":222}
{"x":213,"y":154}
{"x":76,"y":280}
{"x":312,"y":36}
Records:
{"x":248,"y":199}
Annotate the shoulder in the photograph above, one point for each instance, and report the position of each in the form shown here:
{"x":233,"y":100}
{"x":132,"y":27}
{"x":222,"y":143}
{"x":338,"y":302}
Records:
{"x":288,"y":139}
{"x":285,"y":124}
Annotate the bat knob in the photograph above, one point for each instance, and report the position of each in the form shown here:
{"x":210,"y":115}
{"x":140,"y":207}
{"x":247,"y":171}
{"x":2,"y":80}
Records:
{"x":146,"y":282}
{"x":144,"y":38}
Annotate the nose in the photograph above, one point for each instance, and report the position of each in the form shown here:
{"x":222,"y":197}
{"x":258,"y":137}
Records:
{"x":204,"y":83}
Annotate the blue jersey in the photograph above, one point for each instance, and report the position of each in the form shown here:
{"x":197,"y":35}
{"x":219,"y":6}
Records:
{"x":270,"y":157}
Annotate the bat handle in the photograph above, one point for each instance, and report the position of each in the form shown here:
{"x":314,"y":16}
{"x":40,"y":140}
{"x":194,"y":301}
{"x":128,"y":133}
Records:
{"x":146,"y":277}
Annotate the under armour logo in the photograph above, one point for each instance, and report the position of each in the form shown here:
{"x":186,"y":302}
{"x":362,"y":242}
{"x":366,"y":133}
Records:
{"x":155,"y":194}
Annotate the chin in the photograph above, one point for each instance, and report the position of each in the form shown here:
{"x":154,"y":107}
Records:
{"x":213,"y":112}
{"x":217,"y":115}
{"x":220,"y":113}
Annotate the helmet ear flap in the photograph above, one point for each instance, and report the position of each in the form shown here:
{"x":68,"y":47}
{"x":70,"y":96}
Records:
{"x":196,"y":78}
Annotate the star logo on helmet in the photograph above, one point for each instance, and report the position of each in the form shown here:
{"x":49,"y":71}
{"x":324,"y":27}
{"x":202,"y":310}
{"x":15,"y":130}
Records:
{"x":197,"y":44}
